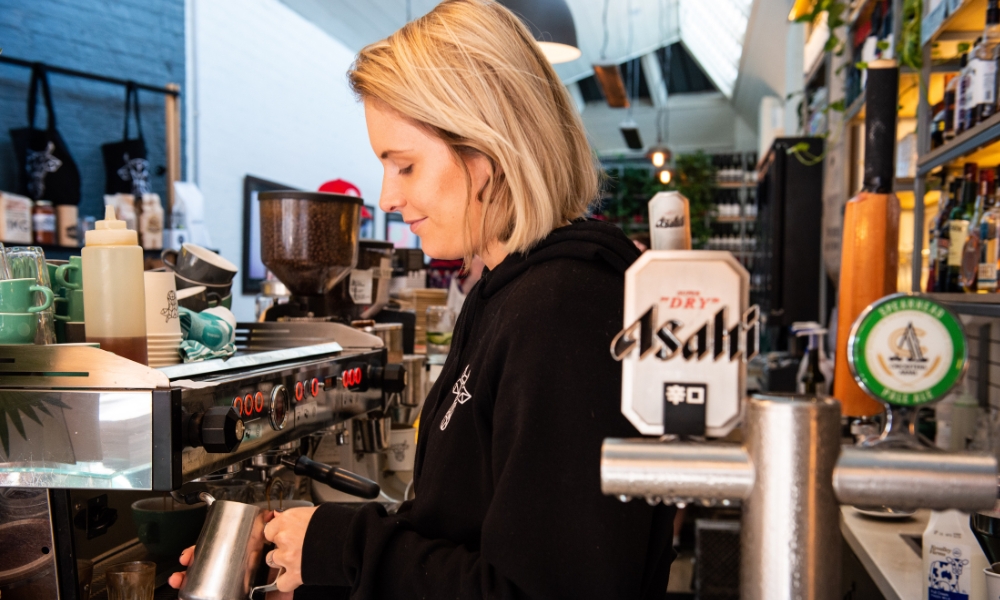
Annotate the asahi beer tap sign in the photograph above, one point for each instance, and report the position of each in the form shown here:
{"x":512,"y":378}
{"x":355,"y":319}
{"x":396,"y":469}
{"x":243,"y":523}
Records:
{"x":688,"y":334}
{"x":907,"y":350}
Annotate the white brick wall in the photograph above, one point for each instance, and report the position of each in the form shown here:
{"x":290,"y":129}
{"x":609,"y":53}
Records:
{"x":272,"y":100}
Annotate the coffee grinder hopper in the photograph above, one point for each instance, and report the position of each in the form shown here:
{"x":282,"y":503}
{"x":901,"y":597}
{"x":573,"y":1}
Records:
{"x":309,"y":240}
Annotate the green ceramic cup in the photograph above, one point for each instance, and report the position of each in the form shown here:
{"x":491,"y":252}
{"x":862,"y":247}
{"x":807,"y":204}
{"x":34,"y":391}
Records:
{"x":18,"y":328}
{"x":166,"y":527}
{"x":18,"y":296}
{"x":70,"y":308}
{"x":70,"y":275}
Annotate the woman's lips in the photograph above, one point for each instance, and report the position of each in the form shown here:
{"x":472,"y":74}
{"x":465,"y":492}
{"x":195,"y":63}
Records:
{"x":416,"y":224}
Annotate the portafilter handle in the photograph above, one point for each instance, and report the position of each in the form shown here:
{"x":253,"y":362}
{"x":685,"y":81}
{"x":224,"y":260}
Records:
{"x":335,"y":477}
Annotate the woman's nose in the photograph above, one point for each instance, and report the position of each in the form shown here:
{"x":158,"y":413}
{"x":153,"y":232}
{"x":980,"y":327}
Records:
{"x":391,"y":199}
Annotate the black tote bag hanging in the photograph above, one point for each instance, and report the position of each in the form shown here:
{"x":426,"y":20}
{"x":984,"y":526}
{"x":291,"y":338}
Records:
{"x":126,"y":170}
{"x":47,"y":171}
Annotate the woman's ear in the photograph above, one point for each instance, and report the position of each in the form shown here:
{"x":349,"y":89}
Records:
{"x":481,"y":170}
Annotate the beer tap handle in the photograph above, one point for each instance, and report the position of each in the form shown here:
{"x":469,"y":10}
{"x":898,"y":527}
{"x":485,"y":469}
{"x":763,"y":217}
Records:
{"x":335,"y":477}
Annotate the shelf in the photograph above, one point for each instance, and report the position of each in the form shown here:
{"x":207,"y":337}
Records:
{"x":64,"y":252}
{"x":735,"y":219}
{"x":953,"y":16}
{"x":980,"y":305}
{"x":963,"y":146}
{"x":734,"y":185}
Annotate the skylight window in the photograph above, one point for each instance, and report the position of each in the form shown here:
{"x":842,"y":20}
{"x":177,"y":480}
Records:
{"x":713,"y":31}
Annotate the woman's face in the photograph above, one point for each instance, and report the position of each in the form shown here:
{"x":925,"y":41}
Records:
{"x":424,"y":182}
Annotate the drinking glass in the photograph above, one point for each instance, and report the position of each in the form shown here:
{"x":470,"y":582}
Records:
{"x":440,"y":327}
{"x":131,"y":581}
{"x":28,"y":262}
{"x":4,"y":271}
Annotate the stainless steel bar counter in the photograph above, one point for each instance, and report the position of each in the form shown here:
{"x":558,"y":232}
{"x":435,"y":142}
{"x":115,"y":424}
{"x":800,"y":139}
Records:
{"x":892,"y":564}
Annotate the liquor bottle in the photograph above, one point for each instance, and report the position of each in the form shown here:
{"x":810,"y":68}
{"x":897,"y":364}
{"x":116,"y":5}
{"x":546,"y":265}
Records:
{"x":958,"y":228}
{"x":943,"y":236}
{"x":985,"y":66}
{"x":988,"y":230}
{"x":972,"y":251}
{"x":961,"y":94}
{"x":869,"y":260}
{"x":934,"y":233}
{"x":950,"y":103}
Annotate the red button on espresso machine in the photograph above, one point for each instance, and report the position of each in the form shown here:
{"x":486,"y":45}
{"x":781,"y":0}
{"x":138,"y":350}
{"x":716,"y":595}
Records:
{"x":300,"y":391}
{"x":258,"y":401}
{"x":238,"y":405}
{"x":248,"y":405}
{"x":314,"y":387}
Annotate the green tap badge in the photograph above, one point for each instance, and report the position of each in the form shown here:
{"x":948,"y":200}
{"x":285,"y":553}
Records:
{"x":906,"y":350}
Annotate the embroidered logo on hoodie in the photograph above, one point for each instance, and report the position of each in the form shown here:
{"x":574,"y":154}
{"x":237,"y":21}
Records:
{"x":462,"y":396}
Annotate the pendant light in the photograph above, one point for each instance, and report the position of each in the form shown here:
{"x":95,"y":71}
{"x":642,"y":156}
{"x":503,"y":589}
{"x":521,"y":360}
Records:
{"x":551,"y":22}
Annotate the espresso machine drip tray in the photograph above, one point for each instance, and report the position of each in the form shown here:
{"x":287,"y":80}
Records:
{"x":75,"y":416}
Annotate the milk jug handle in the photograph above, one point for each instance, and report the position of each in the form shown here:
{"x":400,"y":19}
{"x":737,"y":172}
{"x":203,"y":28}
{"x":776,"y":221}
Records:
{"x":271,"y":587}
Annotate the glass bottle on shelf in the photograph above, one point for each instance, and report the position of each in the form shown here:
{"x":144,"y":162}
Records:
{"x":961,"y":94}
{"x":989,"y":255}
{"x":950,"y":100}
{"x":972,"y":250}
{"x":942,"y":243}
{"x":958,"y":227}
{"x":985,"y":66}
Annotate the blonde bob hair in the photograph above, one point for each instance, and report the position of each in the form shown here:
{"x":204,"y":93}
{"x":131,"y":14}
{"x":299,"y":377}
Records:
{"x":471,"y":73}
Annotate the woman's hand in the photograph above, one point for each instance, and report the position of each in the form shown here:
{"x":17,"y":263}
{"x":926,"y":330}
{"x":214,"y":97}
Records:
{"x":287,"y":531}
{"x":177,"y":579}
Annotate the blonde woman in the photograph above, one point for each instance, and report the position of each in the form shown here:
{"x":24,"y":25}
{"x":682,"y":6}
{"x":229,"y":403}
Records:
{"x":485,"y":155}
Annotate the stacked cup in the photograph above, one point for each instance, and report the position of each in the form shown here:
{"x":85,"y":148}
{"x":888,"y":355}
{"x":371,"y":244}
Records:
{"x":163,"y":325}
{"x":194,"y":266}
{"x":67,"y":281}
{"x":28,"y":262}
{"x":19,"y":310}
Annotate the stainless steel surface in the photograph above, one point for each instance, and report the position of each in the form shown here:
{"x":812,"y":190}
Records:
{"x":74,"y":366}
{"x":416,"y":380}
{"x":259,"y":337}
{"x":229,"y":551}
{"x":906,"y":479}
{"x":372,"y":434}
{"x":391,"y":335}
{"x":790,"y":537}
{"x":77,"y":439}
{"x":245,"y":361}
{"x":675,"y":472}
{"x":279,"y":399}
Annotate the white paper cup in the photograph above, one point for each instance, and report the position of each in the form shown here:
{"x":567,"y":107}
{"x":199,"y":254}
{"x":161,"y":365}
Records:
{"x":161,"y":304}
{"x":993,"y":581}
{"x":402,"y":449}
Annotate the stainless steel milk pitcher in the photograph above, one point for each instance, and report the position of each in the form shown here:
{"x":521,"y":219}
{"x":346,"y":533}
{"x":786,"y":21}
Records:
{"x":227,"y":553}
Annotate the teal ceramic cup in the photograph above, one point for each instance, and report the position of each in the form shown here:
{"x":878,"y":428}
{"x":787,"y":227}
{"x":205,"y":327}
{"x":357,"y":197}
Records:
{"x":70,"y":308}
{"x":166,"y":527}
{"x":18,"y":296}
{"x":18,"y":328}
{"x":70,"y":275}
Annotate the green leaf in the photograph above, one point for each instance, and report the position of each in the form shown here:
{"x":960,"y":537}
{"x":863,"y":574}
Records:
{"x":831,"y":44}
{"x":963,"y":47}
{"x":861,"y":65}
{"x":800,"y":147}
{"x":882,"y":45}
{"x":838,"y":106}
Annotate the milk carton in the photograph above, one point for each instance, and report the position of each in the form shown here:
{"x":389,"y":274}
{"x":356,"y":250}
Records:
{"x":953,"y":560}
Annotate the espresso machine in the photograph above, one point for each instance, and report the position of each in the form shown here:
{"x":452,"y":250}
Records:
{"x":94,"y":448}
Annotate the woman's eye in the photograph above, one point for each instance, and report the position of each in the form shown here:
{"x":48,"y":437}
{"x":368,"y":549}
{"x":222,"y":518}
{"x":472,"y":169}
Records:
{"x":406,"y":170}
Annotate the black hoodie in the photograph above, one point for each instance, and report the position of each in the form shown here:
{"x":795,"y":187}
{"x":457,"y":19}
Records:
{"x":507,"y":475}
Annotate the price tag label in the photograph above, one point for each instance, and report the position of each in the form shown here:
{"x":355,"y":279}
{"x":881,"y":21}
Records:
{"x":361,"y":286}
